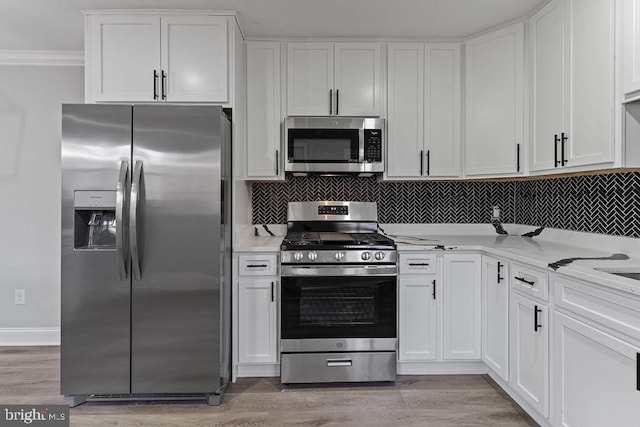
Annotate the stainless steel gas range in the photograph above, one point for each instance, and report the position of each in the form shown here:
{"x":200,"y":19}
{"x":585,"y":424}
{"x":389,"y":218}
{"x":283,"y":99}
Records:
{"x":338,"y":298}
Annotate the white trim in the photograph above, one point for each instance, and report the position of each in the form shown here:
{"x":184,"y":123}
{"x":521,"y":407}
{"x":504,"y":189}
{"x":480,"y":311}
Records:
{"x":29,"y":336}
{"x":442,"y":368}
{"x":257,"y":370}
{"x":160,"y":12}
{"x":42,"y":58}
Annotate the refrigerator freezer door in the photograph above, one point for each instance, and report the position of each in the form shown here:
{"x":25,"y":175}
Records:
{"x":176,"y":302}
{"x":96,"y":142}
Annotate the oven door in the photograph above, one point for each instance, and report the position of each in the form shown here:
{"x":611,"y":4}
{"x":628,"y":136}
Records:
{"x":324,"y":150}
{"x":323,"y":303}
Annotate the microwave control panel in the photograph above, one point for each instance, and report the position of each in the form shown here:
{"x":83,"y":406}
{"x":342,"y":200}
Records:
{"x":372,"y":145}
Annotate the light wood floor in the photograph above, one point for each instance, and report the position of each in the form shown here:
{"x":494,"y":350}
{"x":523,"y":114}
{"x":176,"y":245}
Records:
{"x":30,"y":375}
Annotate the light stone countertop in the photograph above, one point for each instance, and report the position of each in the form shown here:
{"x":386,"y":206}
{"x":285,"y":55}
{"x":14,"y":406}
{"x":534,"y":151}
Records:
{"x":534,"y":251}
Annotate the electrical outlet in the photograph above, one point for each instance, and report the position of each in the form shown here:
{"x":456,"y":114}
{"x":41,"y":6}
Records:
{"x":18,"y":297}
{"x":495,"y":213}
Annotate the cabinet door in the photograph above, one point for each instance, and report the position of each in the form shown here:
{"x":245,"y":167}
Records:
{"x":596,"y":377}
{"x":589,"y":90}
{"x":257,"y":321}
{"x":264,"y":114}
{"x":125,"y":54}
{"x":495,"y":315}
{"x":405,"y":110}
{"x":494,"y":102}
{"x":417,"y":317}
{"x":461,"y":288}
{"x":357,"y":79}
{"x":631,"y":47}
{"x":442,"y":110}
{"x":194,"y":58}
{"x":530,"y":351}
{"x":310,"y":79}
{"x":546,"y":35}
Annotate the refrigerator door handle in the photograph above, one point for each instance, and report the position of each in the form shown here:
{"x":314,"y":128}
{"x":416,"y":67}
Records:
{"x":133,"y":227}
{"x":121,"y":192}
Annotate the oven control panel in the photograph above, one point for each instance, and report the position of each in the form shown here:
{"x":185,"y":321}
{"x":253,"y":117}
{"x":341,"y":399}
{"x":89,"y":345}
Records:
{"x":333,"y":210}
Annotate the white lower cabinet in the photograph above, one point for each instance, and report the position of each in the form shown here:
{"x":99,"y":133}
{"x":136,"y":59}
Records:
{"x":256,"y":310}
{"x":461,"y":320}
{"x":258,"y":320}
{"x":495,"y":315}
{"x":596,"y":381}
{"x":529,"y":350}
{"x":417,"y":314}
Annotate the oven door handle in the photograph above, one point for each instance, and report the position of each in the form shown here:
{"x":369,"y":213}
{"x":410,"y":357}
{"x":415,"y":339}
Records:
{"x":338,"y":270}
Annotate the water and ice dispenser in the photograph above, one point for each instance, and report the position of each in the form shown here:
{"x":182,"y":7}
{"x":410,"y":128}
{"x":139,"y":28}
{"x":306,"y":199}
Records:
{"x":94,"y":219}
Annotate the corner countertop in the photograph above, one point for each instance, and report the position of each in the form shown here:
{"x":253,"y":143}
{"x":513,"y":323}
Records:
{"x":538,"y":251}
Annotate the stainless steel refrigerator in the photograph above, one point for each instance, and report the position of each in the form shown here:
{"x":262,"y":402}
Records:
{"x":146,"y":252}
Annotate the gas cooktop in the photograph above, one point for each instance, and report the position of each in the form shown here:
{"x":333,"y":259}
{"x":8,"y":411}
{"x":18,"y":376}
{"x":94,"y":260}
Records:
{"x":308,"y":240}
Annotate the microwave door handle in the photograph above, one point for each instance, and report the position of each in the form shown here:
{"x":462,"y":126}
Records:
{"x":133,"y":237}
{"x":121,"y":214}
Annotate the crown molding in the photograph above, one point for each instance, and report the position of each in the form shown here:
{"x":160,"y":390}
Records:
{"x":42,"y":58}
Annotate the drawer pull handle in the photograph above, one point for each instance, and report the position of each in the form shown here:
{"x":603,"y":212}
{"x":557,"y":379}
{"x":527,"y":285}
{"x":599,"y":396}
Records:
{"x":335,"y":363}
{"x":418,"y":264}
{"x":256,"y":265}
{"x":499,"y":278}
{"x":528,"y":282}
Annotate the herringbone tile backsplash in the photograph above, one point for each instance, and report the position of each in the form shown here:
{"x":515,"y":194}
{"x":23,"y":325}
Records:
{"x":608,"y":203}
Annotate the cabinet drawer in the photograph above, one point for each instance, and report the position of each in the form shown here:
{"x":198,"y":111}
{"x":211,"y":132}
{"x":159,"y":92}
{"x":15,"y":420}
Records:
{"x":610,"y":309}
{"x":530,"y":281}
{"x":258,"y":265}
{"x":417,"y":264}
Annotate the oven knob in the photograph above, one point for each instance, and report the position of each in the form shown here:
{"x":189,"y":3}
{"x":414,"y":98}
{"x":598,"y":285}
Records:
{"x":298,"y":256}
{"x":339,"y":256}
{"x":379,"y":256}
{"x":365,"y":256}
{"x":312,"y":256}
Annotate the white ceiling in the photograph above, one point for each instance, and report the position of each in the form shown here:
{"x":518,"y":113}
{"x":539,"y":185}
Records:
{"x":58,"y":25}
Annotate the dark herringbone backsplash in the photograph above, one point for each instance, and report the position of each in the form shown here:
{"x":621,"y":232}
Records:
{"x":608,"y":203}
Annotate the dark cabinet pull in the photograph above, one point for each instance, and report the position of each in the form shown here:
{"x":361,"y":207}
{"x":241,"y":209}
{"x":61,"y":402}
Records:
{"x":564,"y":139}
{"x":277,"y":162}
{"x":518,"y":158}
{"x":638,"y":371}
{"x":528,"y":282}
{"x":428,"y":162}
{"x":434,"y":288}
{"x":256,"y":265}
{"x":536,"y":310}
{"x":499,"y":279}
{"x":337,"y":101}
{"x":273,"y":292}
{"x":330,"y":101}
{"x":418,"y":264}
{"x":155,"y":84}
{"x":556,"y":140}
{"x":421,"y":162}
{"x":164,"y":85}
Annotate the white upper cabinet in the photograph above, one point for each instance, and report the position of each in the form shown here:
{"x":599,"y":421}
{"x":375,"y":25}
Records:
{"x":194,"y":58}
{"x":631,"y":47}
{"x":495,"y":102}
{"x":150,"y":58}
{"x":572,"y":60}
{"x":325,"y":79}
{"x":125,"y":57}
{"x":547,"y":86}
{"x":423,"y":110}
{"x":589,"y":84}
{"x":264,"y":113}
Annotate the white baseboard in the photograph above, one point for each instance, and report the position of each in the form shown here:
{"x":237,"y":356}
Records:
{"x":441,"y":368}
{"x":29,"y":336}
{"x":258,"y":370}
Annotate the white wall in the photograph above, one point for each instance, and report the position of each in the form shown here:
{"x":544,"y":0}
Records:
{"x":30,"y":105}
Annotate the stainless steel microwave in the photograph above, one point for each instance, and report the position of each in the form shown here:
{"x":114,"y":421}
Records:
{"x":334,"y":145}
